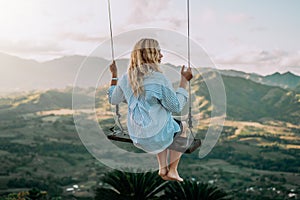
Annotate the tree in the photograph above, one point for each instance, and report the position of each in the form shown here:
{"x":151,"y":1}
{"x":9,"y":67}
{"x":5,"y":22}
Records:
{"x":36,"y":194}
{"x":33,"y":194}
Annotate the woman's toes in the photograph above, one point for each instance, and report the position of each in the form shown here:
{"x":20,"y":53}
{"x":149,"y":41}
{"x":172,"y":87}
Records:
{"x":174,"y":176}
{"x":180,"y":179}
{"x":166,"y":178}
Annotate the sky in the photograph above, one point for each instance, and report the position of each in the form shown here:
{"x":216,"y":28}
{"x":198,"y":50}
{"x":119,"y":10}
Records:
{"x":248,"y":35}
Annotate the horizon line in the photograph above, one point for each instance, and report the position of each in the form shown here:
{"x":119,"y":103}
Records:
{"x":80,"y":55}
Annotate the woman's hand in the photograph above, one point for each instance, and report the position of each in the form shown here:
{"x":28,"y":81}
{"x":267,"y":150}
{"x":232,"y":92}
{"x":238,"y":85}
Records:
{"x":185,"y":76}
{"x":113,"y":69}
{"x":114,"y":73}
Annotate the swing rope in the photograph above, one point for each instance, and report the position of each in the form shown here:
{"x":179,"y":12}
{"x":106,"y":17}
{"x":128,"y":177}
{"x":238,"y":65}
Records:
{"x":111,"y":32}
{"x":190,"y":121}
{"x":113,"y":58}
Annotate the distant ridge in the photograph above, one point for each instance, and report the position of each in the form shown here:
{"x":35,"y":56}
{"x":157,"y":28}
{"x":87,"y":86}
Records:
{"x":19,"y":75}
{"x":287,"y":79}
{"x":284,"y":80}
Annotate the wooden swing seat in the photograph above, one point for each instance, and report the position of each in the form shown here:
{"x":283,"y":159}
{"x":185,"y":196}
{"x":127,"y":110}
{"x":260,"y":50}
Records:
{"x":179,"y":143}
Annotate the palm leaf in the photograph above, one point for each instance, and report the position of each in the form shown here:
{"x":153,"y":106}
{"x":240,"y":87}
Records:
{"x":132,"y":185}
{"x":192,"y":190}
{"x":107,"y":194}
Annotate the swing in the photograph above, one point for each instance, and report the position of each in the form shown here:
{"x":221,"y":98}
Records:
{"x":181,"y":144}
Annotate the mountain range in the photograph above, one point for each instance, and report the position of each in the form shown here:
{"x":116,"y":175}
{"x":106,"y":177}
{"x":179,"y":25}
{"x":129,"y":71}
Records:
{"x":246,"y":100}
{"x":19,"y":75}
{"x":284,"y":80}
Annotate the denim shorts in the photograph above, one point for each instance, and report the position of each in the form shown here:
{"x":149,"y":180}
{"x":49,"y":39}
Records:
{"x":180,"y":124}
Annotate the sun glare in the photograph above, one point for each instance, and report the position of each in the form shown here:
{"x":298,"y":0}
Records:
{"x":15,"y":16}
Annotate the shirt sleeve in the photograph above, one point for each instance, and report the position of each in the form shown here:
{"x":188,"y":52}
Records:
{"x":115,"y":95}
{"x":174,"y":101}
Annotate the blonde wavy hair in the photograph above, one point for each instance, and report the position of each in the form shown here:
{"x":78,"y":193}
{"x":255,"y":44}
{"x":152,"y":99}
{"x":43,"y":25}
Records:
{"x":144,"y":60}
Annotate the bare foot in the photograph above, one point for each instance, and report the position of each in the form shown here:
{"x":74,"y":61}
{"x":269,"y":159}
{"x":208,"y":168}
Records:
{"x":163,"y":171}
{"x":174,"y":176}
{"x":163,"y":174}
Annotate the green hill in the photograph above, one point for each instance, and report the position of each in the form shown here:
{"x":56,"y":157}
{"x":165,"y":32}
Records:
{"x":11,"y":107}
{"x":251,"y":101}
{"x":297,"y":89}
{"x":247,"y":100}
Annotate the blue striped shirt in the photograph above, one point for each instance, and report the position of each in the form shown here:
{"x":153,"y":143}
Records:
{"x":149,"y":117}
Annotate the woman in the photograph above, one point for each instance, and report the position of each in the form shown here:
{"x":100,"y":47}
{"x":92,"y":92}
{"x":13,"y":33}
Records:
{"x":151,"y":100}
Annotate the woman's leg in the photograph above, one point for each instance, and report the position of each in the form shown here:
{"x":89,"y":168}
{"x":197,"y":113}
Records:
{"x":175,"y":158}
{"x":162,"y":163}
{"x":174,"y":161}
{"x":162,"y":158}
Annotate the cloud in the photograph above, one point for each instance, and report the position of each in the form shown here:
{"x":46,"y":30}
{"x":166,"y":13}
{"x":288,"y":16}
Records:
{"x":144,"y":10}
{"x":258,"y":29}
{"x":37,"y":50}
{"x":254,"y":57}
{"x":80,"y":37}
{"x":236,"y":18}
{"x":29,"y":46}
{"x":234,"y":40}
{"x":155,"y":13}
{"x":262,"y":61}
{"x":291,"y":60}
{"x":207,"y":16}
{"x":176,"y":22}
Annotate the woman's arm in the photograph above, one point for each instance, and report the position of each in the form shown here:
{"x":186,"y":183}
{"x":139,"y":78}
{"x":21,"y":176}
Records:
{"x":175,"y":101}
{"x":115,"y":93}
